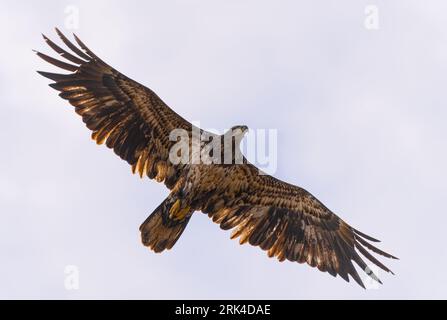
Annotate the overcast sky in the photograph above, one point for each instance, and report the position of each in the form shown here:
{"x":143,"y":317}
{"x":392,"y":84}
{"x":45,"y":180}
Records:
{"x":361,"y":118}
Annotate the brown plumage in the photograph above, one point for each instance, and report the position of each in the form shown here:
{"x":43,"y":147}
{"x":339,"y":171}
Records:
{"x":283,"y":219}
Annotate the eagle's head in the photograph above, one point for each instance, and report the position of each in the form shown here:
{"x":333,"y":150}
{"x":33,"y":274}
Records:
{"x":239,"y":131}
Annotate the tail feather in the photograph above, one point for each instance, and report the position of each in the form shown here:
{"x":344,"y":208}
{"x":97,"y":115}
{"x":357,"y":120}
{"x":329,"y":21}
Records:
{"x":159,"y":232}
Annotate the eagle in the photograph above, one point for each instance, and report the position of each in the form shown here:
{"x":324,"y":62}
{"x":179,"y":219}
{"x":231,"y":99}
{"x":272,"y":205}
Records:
{"x":283,"y":219}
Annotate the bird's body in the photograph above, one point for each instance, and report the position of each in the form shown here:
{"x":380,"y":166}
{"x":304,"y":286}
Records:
{"x":283,"y":219}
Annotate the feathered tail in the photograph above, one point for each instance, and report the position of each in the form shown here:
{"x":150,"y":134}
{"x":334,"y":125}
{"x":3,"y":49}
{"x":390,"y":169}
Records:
{"x":160,"y":231}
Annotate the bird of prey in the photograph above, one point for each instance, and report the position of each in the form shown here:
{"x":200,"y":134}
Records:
{"x":285,"y":220}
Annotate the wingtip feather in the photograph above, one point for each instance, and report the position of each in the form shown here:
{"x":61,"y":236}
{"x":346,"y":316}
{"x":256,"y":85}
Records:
{"x":365,"y":236}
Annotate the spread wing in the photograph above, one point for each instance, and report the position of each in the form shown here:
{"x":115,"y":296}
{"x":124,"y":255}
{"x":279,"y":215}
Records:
{"x":128,"y":117}
{"x":291,"y":224}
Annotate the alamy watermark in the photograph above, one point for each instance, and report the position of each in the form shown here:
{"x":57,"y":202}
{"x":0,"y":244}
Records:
{"x":210,"y":146}
{"x":71,"y":21}
{"x":71,"y":281}
{"x":371,"y":280}
{"x":372,"y":21}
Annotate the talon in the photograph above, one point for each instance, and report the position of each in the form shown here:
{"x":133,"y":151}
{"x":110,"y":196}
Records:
{"x":178,"y":213}
{"x":182,"y":213}
{"x":174,"y":209}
